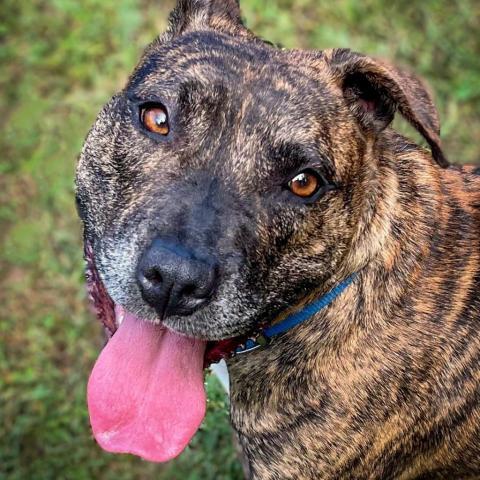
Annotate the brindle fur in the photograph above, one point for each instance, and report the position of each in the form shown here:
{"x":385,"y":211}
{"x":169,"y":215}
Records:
{"x":385,"y":382}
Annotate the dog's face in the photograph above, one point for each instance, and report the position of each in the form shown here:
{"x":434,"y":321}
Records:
{"x":229,"y":179}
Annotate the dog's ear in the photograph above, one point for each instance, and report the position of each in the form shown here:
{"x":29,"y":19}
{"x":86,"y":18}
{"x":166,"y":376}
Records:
{"x":189,"y":15}
{"x":375,"y":90}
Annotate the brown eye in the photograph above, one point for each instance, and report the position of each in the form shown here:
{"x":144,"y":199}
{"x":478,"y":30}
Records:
{"x":155,"y":119}
{"x":305,"y":184}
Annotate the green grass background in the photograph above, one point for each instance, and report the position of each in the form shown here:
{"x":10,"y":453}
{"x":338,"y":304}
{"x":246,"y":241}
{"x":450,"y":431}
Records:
{"x":60,"y":60}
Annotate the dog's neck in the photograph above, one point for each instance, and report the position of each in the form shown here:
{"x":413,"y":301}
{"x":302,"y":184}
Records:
{"x":396,"y":242}
{"x":353,"y":377}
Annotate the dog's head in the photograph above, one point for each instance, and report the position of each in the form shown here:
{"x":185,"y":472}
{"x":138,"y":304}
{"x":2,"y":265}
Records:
{"x":224,"y":183}
{"x":231,"y":179}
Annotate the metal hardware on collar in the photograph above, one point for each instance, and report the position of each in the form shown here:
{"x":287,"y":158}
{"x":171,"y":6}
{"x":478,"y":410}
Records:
{"x":264,"y":336}
{"x":256,"y":341}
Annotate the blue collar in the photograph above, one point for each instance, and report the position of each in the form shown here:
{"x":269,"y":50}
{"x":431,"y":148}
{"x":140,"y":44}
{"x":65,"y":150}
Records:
{"x":264,"y":336}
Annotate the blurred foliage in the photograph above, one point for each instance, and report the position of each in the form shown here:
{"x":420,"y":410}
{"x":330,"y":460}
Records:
{"x":60,"y":60}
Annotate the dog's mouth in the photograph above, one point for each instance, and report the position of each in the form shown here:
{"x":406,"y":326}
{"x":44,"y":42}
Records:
{"x":146,"y":391}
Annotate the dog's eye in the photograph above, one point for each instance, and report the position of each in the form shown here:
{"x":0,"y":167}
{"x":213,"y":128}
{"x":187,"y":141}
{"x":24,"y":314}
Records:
{"x":154,"y":118}
{"x":305,"y":184}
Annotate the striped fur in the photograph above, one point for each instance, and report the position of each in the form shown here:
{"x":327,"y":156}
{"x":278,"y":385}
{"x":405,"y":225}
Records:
{"x":385,"y":382}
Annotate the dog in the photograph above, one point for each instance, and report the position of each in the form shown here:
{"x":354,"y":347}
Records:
{"x":234,"y":189}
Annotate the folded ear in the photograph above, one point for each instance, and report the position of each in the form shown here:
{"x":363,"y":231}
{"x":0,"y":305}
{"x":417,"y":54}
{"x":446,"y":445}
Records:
{"x":375,"y":90}
{"x":191,"y":15}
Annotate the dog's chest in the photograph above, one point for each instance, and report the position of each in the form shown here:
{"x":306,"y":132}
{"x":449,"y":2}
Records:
{"x":299,"y":422}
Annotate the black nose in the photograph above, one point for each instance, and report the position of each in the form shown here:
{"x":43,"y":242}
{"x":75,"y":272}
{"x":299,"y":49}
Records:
{"x":173,"y":280}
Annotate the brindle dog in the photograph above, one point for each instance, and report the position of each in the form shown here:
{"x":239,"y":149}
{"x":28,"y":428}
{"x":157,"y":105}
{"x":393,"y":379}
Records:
{"x":274,"y":174}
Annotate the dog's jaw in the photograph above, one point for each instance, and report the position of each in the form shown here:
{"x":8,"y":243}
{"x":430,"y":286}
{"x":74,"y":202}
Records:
{"x":111,"y":314}
{"x":100,"y":301}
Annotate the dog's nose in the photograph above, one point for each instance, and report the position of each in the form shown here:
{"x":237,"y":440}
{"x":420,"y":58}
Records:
{"x":173,"y":280}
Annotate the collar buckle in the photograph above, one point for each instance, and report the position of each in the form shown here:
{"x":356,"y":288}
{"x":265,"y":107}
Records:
{"x":253,"y":343}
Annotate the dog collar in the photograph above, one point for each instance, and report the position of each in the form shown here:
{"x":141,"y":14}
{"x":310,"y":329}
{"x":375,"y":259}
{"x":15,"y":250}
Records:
{"x":264,"y":336}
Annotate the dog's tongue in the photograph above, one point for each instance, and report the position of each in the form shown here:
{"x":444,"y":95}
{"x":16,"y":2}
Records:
{"x":146,"y":394}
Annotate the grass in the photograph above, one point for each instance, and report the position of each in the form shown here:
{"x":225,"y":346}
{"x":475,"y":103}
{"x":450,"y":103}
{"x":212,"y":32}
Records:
{"x":60,"y":60}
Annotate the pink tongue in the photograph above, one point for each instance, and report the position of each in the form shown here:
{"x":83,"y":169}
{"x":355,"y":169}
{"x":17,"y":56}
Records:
{"x":145,"y":393}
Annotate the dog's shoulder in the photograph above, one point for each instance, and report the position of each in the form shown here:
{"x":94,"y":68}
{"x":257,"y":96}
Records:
{"x":475,"y":169}
{"x":464,"y":182}
{"x":472,"y":170}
